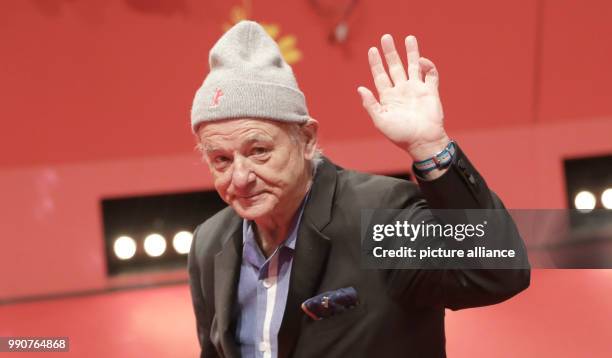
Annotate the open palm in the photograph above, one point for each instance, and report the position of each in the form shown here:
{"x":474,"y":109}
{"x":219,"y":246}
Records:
{"x":409,"y":111}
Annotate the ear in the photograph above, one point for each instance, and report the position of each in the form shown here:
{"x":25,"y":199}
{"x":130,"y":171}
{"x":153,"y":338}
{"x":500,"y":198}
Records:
{"x":309,"y":131}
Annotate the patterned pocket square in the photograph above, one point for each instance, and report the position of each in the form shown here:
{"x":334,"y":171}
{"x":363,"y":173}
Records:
{"x":330,"y":303}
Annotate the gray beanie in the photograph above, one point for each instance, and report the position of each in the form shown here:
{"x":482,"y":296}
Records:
{"x":248,"y":78}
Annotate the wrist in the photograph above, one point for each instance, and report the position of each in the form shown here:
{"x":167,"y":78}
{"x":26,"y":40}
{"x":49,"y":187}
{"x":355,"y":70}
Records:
{"x":436,"y":165}
{"x":426,"y":150}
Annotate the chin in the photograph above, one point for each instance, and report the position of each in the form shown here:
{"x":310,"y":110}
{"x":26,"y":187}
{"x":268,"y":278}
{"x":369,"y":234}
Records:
{"x":252,"y":212}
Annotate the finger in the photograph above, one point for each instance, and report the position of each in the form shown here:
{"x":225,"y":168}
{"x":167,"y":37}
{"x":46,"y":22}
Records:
{"x":381,"y":80}
{"x":430,"y":72}
{"x":412,"y":49}
{"x":396,"y":68}
{"x":368,"y":101}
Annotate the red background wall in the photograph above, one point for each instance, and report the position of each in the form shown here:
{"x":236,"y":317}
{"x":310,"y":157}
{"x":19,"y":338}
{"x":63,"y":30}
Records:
{"x":95,"y":98}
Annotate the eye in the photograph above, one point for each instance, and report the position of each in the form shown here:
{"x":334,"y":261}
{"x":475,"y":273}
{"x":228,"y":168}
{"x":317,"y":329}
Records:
{"x":221,"y":161}
{"x":259,"y":151}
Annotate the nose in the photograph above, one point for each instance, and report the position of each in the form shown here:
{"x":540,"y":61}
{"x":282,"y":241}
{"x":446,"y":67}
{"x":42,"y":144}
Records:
{"x":242,"y":176}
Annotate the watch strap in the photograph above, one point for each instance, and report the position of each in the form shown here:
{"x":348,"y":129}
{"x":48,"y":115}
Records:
{"x":439,"y":161}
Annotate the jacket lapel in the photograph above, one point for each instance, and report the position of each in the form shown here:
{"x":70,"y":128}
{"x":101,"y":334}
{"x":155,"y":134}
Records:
{"x":227,"y":272}
{"x":312,"y":248}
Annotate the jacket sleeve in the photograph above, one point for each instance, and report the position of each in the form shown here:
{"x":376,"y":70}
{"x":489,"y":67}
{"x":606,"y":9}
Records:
{"x":195,"y":284}
{"x":462,"y":187}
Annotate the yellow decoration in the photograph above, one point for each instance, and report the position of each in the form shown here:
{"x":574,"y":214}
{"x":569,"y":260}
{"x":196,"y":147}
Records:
{"x":286,"y":43}
{"x":272,"y":30}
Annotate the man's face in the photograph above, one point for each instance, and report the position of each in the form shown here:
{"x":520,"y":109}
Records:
{"x":259,"y":169}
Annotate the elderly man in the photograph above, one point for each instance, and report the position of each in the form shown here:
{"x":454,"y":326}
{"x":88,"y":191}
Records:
{"x":291,"y":231}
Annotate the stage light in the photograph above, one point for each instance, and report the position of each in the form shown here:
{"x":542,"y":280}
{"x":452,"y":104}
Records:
{"x":182,"y":242}
{"x":124,"y":247}
{"x":155,"y":245}
{"x":606,"y":198}
{"x":585,"y":201}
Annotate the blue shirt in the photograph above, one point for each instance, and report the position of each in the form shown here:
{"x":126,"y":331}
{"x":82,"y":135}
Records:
{"x":262,"y":292}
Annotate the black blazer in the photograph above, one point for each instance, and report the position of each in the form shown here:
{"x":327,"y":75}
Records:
{"x":401,"y":312}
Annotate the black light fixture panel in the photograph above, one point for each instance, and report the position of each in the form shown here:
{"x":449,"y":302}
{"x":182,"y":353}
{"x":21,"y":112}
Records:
{"x":592,"y":175}
{"x":138,"y":217}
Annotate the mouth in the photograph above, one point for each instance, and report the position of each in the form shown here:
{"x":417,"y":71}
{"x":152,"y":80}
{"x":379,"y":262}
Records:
{"x":249,"y":197}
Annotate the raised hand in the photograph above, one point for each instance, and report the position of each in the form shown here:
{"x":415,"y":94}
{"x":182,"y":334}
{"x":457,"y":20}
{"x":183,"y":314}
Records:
{"x":409,"y":111}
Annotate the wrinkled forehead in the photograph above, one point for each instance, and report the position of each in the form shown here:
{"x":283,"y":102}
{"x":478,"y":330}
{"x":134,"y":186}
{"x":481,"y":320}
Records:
{"x":241,"y":129}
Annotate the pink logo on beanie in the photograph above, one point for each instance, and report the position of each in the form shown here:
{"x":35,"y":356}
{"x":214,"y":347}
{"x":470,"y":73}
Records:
{"x":216,"y":98}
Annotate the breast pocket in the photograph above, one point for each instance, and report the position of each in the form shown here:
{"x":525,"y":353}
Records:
{"x":338,"y":321}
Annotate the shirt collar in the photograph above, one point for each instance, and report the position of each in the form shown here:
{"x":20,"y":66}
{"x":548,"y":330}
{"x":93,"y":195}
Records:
{"x":251,"y":251}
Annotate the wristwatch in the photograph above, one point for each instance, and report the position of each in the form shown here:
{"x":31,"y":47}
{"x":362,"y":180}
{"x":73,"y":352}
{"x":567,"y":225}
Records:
{"x":439,"y":161}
